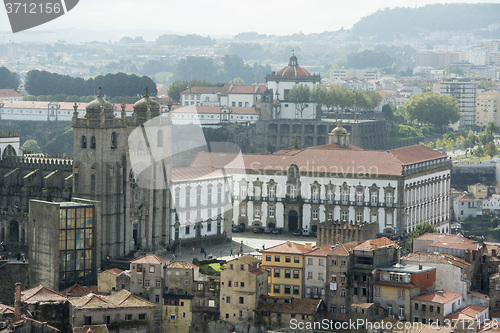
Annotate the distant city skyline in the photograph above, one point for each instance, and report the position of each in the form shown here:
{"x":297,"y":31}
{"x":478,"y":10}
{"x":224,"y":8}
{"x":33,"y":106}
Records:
{"x":223,"y":17}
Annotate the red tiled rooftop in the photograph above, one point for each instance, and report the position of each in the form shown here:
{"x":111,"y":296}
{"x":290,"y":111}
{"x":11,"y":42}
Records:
{"x":296,"y":305}
{"x":445,"y":238}
{"x":41,"y":294}
{"x":150,"y":259}
{"x":458,"y":246}
{"x":287,"y":247}
{"x":467,"y":312}
{"x":437,"y":258}
{"x":376,"y":243}
{"x":434,"y":297}
{"x":181,"y":264}
{"x":416,"y":154}
{"x":115,"y":271}
{"x":9,"y":93}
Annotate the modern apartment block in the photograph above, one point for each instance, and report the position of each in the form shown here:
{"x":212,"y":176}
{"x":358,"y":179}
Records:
{"x":464,"y":90}
{"x":487,"y":106}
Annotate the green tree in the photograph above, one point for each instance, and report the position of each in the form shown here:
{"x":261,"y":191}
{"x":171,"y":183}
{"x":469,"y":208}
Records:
{"x":479,"y":152}
{"x":420,"y":229}
{"x":237,"y":81}
{"x":301,"y":96}
{"x":429,"y":107}
{"x":175,"y":89}
{"x":485,"y":84}
{"x":295,"y":142}
{"x":31,"y":147}
{"x":388,"y":110}
{"x":485,"y":138}
{"x":490,"y":128}
{"x":8,"y":79}
{"x":29,"y":98}
{"x":490,"y":149}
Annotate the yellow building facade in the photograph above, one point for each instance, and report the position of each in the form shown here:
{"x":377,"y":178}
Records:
{"x":285,"y":264}
{"x":242,"y":283}
{"x":487,"y":107}
{"x":177,"y":315}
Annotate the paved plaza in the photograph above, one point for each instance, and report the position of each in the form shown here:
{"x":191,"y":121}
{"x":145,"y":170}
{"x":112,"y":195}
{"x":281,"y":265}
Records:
{"x":249,"y":241}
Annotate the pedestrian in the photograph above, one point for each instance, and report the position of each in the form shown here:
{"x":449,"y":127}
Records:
{"x":205,"y":252}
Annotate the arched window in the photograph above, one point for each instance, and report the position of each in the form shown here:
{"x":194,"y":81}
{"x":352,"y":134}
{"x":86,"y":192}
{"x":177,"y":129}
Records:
{"x":113,"y":141}
{"x":160,"y":139}
{"x":93,"y":143}
{"x":84,"y":141}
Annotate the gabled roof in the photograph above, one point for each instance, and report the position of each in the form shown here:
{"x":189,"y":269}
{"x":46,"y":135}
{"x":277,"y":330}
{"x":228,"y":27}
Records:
{"x":320,"y":251}
{"x":41,"y":294}
{"x":120,"y":299}
{"x":115,"y":271}
{"x":180,"y":264}
{"x":436,"y":258}
{"x":247,"y":89}
{"x":376,"y":243}
{"x":343,"y":249}
{"x":150,"y":259}
{"x":5,"y":309}
{"x":76,"y":290}
{"x":457,"y":246}
{"x":295,"y":305}
{"x":466,"y":197}
{"x":436,"y":297}
{"x":445,"y":238}
{"x":287,"y":248}
{"x":247,"y":259}
{"x":416,"y":154}
{"x":195,"y":173}
{"x":9,"y":93}
{"x":466,"y":313}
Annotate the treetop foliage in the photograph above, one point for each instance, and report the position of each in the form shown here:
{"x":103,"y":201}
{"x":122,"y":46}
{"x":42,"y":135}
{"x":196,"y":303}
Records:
{"x":432,"y":108}
{"x":8,"y":79}
{"x":119,"y":84}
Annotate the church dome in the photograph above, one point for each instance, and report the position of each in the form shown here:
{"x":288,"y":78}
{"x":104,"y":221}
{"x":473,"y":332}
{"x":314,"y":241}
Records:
{"x":293,"y":70}
{"x":141,"y":106}
{"x":339,"y":130}
{"x":98,"y":105}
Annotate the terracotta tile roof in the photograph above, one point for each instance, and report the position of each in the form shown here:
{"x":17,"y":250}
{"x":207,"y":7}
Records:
{"x":445,"y":238}
{"x":467,"y":312}
{"x":320,"y":251}
{"x":495,"y":314}
{"x":416,"y":154}
{"x":5,"y":309}
{"x":115,"y":271}
{"x":287,"y":248}
{"x":434,"y":297}
{"x":150,"y":259}
{"x":68,"y":106}
{"x":394,"y":284}
{"x":375,"y":243}
{"x":437,"y":258}
{"x":91,"y":329}
{"x":362,"y":305}
{"x":476,"y":294}
{"x":258,"y":271}
{"x":466,"y":197}
{"x":77,"y":291}
{"x":202,"y":90}
{"x":334,"y":146}
{"x":295,"y":305}
{"x":247,"y":89}
{"x":120,"y":299}
{"x":458,"y":246}
{"x":9,"y":93}
{"x":425,"y":328}
{"x":215,"y":110}
{"x":343,"y":249}
{"x":489,"y":246}
{"x":41,"y":294}
{"x":195,"y":173}
{"x":247,"y":259}
{"x":180,"y":264}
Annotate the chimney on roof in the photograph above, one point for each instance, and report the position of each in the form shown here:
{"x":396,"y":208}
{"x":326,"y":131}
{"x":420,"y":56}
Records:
{"x":308,"y":246}
{"x":17,"y":303}
{"x":440,"y":292}
{"x":420,"y":267}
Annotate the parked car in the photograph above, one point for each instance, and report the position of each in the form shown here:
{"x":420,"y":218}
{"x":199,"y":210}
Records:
{"x":297,"y":232}
{"x":258,"y":230}
{"x":278,"y":231}
{"x":236,"y":228}
{"x":268,"y":230}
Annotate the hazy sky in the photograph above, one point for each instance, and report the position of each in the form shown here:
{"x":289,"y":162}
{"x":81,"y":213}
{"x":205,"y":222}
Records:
{"x":220,"y":17}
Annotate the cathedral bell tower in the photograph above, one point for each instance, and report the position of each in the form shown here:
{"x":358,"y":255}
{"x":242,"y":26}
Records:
{"x":99,"y":170}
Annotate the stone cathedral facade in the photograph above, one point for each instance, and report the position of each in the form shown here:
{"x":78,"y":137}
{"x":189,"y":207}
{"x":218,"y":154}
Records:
{"x":132,"y":217}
